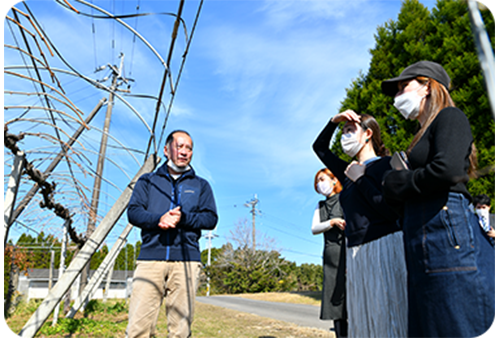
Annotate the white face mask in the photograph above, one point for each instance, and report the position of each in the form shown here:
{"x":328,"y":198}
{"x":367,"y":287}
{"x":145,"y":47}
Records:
{"x":350,"y":144}
{"x":408,"y":104}
{"x":483,"y":212}
{"x":176,"y":168}
{"x":325,"y":188}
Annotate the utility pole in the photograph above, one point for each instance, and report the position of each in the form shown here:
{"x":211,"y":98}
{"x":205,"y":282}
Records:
{"x":61,"y":266}
{"x":11,"y":193}
{"x":126,"y":259}
{"x":252,"y":204}
{"x":51,"y":268}
{"x":108,"y":282}
{"x":116,"y":74}
{"x":209,"y":236}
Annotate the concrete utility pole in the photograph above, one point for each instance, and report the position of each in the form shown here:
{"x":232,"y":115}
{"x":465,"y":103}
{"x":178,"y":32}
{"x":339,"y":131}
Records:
{"x":51,"y":269}
{"x":27,"y":198}
{"x":61,"y":265}
{"x":83,"y":257}
{"x":100,"y":166}
{"x":11,"y":193}
{"x":209,"y":236}
{"x":484,"y":51}
{"x":108,"y":282}
{"x":252,"y":204}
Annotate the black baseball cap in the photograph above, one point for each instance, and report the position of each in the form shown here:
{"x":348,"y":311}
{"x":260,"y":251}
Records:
{"x":422,"y":68}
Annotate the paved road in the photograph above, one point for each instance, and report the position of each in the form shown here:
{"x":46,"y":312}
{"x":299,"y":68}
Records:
{"x":300,"y":314}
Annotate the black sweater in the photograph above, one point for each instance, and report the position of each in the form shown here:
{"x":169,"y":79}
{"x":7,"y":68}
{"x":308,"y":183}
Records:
{"x":439,"y":161}
{"x":367,"y":215}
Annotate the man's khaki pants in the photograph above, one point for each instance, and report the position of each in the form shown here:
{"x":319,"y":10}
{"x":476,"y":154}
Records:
{"x":154,"y":280}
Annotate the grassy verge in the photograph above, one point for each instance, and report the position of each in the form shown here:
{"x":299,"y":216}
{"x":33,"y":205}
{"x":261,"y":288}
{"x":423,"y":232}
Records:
{"x":213,"y":321}
{"x":308,"y":298}
{"x":110,"y":320}
{"x":102,"y":320}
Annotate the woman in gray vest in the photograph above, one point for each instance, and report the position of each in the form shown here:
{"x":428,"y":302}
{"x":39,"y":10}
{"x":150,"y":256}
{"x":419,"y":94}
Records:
{"x":328,"y":220}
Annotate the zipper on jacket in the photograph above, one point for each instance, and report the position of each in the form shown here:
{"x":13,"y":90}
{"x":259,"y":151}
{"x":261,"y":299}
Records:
{"x":176,"y":201}
{"x":172,"y":205}
{"x":179,"y":190}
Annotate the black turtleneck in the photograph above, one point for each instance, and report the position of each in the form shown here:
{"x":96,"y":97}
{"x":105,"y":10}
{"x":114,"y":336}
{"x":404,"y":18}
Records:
{"x":439,"y":161}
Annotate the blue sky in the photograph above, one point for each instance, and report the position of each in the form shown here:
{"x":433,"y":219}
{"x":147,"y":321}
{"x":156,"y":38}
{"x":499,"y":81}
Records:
{"x":260,"y":81}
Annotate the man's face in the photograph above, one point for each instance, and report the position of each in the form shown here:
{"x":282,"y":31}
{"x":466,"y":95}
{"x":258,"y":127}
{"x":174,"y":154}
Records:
{"x":180,"y":150}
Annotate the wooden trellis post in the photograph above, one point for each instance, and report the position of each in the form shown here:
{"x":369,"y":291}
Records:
{"x":83,"y":257}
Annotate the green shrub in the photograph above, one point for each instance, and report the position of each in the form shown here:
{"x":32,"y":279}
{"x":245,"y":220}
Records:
{"x":118,"y":307}
{"x":93,"y":306}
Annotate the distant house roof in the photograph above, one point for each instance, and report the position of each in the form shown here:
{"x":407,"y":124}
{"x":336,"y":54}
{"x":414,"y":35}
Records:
{"x":43,"y":274}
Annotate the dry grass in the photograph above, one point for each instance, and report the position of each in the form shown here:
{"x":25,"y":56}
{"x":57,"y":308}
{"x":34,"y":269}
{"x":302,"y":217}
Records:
{"x":213,"y":321}
{"x":308,"y":298}
{"x":210,"y":322}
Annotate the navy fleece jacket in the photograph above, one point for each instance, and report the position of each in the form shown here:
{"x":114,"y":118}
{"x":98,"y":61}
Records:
{"x":155,"y":194}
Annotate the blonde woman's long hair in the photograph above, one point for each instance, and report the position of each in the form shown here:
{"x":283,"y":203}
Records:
{"x":438,"y":99}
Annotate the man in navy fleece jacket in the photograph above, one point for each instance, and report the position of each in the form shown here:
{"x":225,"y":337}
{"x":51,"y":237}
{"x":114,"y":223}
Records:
{"x":171,"y":206}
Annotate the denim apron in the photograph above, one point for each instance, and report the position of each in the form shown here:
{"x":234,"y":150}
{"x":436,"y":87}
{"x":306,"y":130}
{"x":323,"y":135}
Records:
{"x":451,"y":268}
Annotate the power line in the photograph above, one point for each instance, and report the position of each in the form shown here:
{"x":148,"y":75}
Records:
{"x":93,"y":39}
{"x":278,"y":221}
{"x":166,"y":74}
{"x":180,"y":72}
{"x":301,"y":253}
{"x":290,"y":234}
{"x":134,"y":36}
{"x":64,"y":122}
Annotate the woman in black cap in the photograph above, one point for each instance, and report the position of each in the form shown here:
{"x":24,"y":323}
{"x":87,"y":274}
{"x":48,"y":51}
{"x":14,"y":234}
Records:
{"x":450,"y":261}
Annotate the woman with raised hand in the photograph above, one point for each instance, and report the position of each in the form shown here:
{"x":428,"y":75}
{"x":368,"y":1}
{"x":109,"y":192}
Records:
{"x":329,"y":220}
{"x":451,"y":267}
{"x":376,"y":271}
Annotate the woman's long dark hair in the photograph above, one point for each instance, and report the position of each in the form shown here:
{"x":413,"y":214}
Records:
{"x":368,"y":121}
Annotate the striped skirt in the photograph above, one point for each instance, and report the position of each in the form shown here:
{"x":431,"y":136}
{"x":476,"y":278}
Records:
{"x":376,"y":288}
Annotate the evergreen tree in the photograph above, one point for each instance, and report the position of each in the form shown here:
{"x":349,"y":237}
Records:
{"x":98,"y":257}
{"x":246,"y":271}
{"x":126,"y":259}
{"x":138,"y":245}
{"x":214,"y":255}
{"x":443,"y":36}
{"x":243,"y":271}
{"x":39,"y":249}
{"x":309,"y":277}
